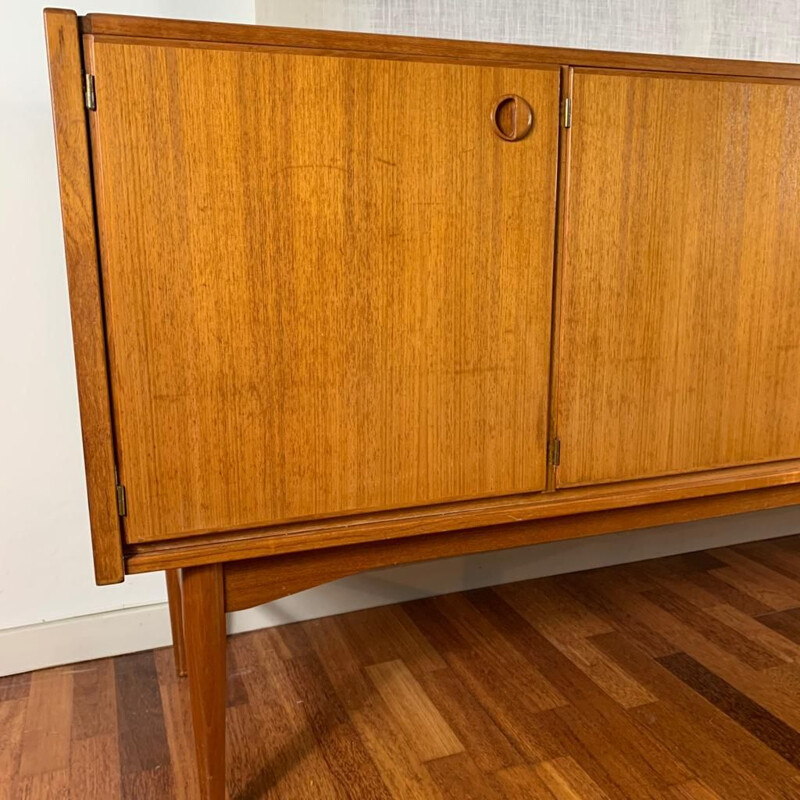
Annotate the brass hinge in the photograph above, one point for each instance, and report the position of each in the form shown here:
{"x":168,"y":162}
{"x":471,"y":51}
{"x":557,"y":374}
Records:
{"x":555,"y":452}
{"x":89,"y":96}
{"x":567,"y":112}
{"x":122,"y":501}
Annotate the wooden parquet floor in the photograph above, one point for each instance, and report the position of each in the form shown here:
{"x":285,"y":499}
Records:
{"x":676,"y":679}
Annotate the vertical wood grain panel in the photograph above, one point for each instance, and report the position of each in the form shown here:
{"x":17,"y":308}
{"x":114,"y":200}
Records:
{"x":77,"y":212}
{"x":679,"y":344}
{"x":347,"y":306}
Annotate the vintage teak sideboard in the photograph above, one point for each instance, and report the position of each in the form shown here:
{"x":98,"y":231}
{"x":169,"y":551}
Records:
{"x":343,"y":301}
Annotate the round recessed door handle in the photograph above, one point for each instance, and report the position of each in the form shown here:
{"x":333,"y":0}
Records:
{"x":512,"y":117}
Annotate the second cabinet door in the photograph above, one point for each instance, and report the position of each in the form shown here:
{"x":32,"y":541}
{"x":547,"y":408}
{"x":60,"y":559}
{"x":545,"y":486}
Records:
{"x":328,"y":280}
{"x":679,"y":334}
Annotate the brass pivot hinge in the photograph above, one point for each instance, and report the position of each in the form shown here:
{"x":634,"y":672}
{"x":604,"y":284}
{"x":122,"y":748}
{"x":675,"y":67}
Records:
{"x":567,"y":112}
{"x":89,"y":96}
{"x":122,"y":496}
{"x":554,"y":455}
{"x":122,"y":501}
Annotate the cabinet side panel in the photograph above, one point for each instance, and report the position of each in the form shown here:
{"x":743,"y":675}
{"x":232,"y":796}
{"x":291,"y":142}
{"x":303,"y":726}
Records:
{"x":64,"y":58}
{"x":680,"y":344}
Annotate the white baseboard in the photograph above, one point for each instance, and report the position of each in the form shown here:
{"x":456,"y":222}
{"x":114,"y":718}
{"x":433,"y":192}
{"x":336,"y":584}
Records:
{"x":129,"y":630}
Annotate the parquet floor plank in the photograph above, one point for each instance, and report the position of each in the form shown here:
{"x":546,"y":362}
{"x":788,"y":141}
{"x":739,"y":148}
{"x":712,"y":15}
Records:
{"x":672,"y":679}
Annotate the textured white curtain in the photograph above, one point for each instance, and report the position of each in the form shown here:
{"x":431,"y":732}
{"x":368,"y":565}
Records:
{"x":766,"y":30}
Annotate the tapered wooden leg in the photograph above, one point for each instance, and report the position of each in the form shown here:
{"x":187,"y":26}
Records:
{"x":174,"y":593}
{"x":204,"y":634}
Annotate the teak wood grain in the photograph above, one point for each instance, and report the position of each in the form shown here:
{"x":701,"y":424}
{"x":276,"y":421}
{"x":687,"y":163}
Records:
{"x":175,"y":596}
{"x":204,"y":630}
{"x":347,"y":305}
{"x":726,"y":491}
{"x":77,"y":212}
{"x":405,"y":46}
{"x":250,"y":580}
{"x":679,"y":345}
{"x":342,"y":304}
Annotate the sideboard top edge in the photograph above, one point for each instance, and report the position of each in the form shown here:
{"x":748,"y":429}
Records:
{"x":231,"y":33}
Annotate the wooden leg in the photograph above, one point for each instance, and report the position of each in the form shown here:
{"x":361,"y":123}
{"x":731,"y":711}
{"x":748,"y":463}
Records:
{"x":204,"y":633}
{"x":174,"y":592}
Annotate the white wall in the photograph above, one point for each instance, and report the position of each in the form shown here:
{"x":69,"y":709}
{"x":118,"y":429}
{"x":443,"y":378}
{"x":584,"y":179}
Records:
{"x":45,"y":558}
{"x":767,"y":30}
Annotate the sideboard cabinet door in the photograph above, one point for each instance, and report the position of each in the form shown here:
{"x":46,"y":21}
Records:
{"x":680,"y":323}
{"x":327,"y":280}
